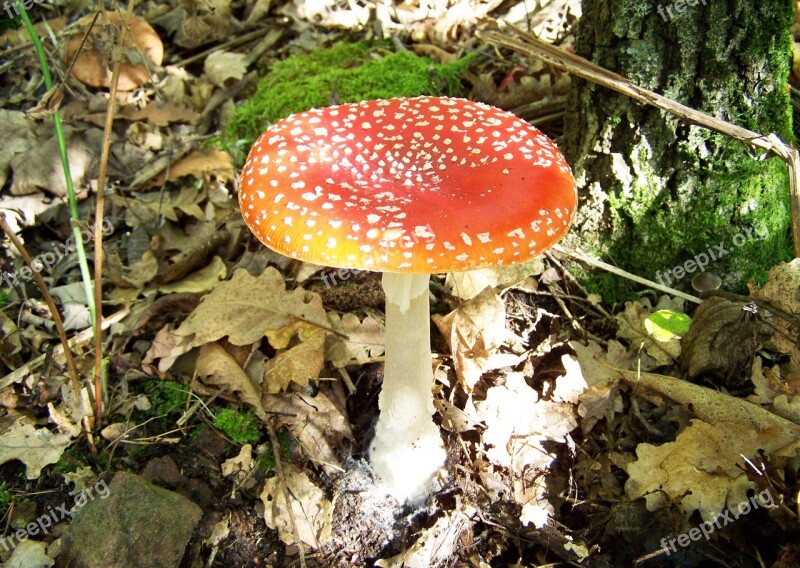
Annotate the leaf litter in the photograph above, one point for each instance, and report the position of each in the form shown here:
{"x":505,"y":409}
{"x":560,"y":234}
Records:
{"x":546,"y":430}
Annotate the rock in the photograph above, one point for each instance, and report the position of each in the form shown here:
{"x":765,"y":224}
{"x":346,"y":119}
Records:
{"x":138,"y":525}
{"x":163,"y":471}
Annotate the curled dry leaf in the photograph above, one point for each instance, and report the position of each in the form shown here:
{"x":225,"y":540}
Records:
{"x":217,"y":367}
{"x":722,"y":340}
{"x":703,"y":468}
{"x":201,"y":164}
{"x":312,"y":511}
{"x":364,"y":341}
{"x":319,"y":423}
{"x":474,"y":332}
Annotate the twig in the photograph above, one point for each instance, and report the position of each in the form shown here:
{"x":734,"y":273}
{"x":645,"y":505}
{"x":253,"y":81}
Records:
{"x":276,"y":451}
{"x":619,"y":272}
{"x":83,"y":337}
{"x":62,"y":335}
{"x":232,"y":43}
{"x":98,"y":218}
{"x":531,"y":46}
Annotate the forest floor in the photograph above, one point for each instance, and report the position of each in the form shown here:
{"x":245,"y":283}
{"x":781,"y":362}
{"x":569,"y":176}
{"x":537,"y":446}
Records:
{"x":579,"y":431}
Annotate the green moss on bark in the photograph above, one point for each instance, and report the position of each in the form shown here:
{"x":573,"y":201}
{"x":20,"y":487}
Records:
{"x":657,"y":192}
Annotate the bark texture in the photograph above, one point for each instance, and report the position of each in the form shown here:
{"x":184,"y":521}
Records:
{"x":656,"y":192}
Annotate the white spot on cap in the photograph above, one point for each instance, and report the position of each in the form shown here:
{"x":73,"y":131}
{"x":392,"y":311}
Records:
{"x":466,"y":239}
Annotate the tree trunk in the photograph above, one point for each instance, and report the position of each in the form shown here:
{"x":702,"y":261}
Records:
{"x":659,"y":196}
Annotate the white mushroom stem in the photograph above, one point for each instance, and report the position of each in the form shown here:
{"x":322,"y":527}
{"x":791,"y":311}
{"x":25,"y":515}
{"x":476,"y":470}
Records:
{"x":407,"y":450}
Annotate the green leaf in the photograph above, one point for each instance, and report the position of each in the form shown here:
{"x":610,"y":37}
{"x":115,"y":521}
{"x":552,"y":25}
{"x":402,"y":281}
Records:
{"x":664,"y":325}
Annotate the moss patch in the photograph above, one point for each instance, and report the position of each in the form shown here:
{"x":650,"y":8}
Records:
{"x":348,"y":72}
{"x":241,"y":427}
{"x":657,"y":193}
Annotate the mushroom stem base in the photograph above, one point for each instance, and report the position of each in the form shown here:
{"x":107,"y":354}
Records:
{"x":407,"y":450}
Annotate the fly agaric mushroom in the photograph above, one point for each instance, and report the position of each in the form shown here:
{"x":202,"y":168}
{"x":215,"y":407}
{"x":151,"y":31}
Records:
{"x":408,"y":187}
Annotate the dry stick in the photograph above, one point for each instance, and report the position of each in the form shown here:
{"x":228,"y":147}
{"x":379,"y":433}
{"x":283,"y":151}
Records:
{"x":276,"y":451}
{"x":531,"y":46}
{"x":62,"y":335}
{"x":619,"y":272}
{"x":98,"y":219}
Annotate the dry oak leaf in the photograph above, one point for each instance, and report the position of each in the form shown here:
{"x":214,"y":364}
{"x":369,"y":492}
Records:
{"x":317,"y":422}
{"x":241,"y":465}
{"x":518,"y":423}
{"x":160,"y":114}
{"x":246,"y":308}
{"x":221,"y":66}
{"x":297,"y":364}
{"x":364,"y":341}
{"x":474,"y":331}
{"x":217,"y":367}
{"x":467,"y":285}
{"x":703,"y":468}
{"x":782,"y":290}
{"x":201,"y":164}
{"x":312,"y":511}
{"x":36,"y":448}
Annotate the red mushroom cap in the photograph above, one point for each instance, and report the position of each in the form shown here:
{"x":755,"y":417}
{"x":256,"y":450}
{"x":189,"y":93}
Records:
{"x":427,"y":184}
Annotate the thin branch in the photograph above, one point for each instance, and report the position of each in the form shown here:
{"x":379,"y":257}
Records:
{"x":62,"y":335}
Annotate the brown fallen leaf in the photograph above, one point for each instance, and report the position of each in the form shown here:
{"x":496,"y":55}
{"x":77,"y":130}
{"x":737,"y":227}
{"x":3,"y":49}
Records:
{"x":474,"y":331}
{"x":319,"y":423}
{"x":35,"y":447}
{"x":364,"y":340}
{"x":703,"y":468}
{"x":241,"y":465}
{"x":722,"y":341}
{"x":160,"y":114}
{"x":246,"y":308}
{"x":137,"y":275}
{"x":200,"y":164}
{"x":217,"y":367}
{"x":297,"y":364}
{"x":223,"y":66}
{"x":312,"y":511}
{"x":782,"y":290}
